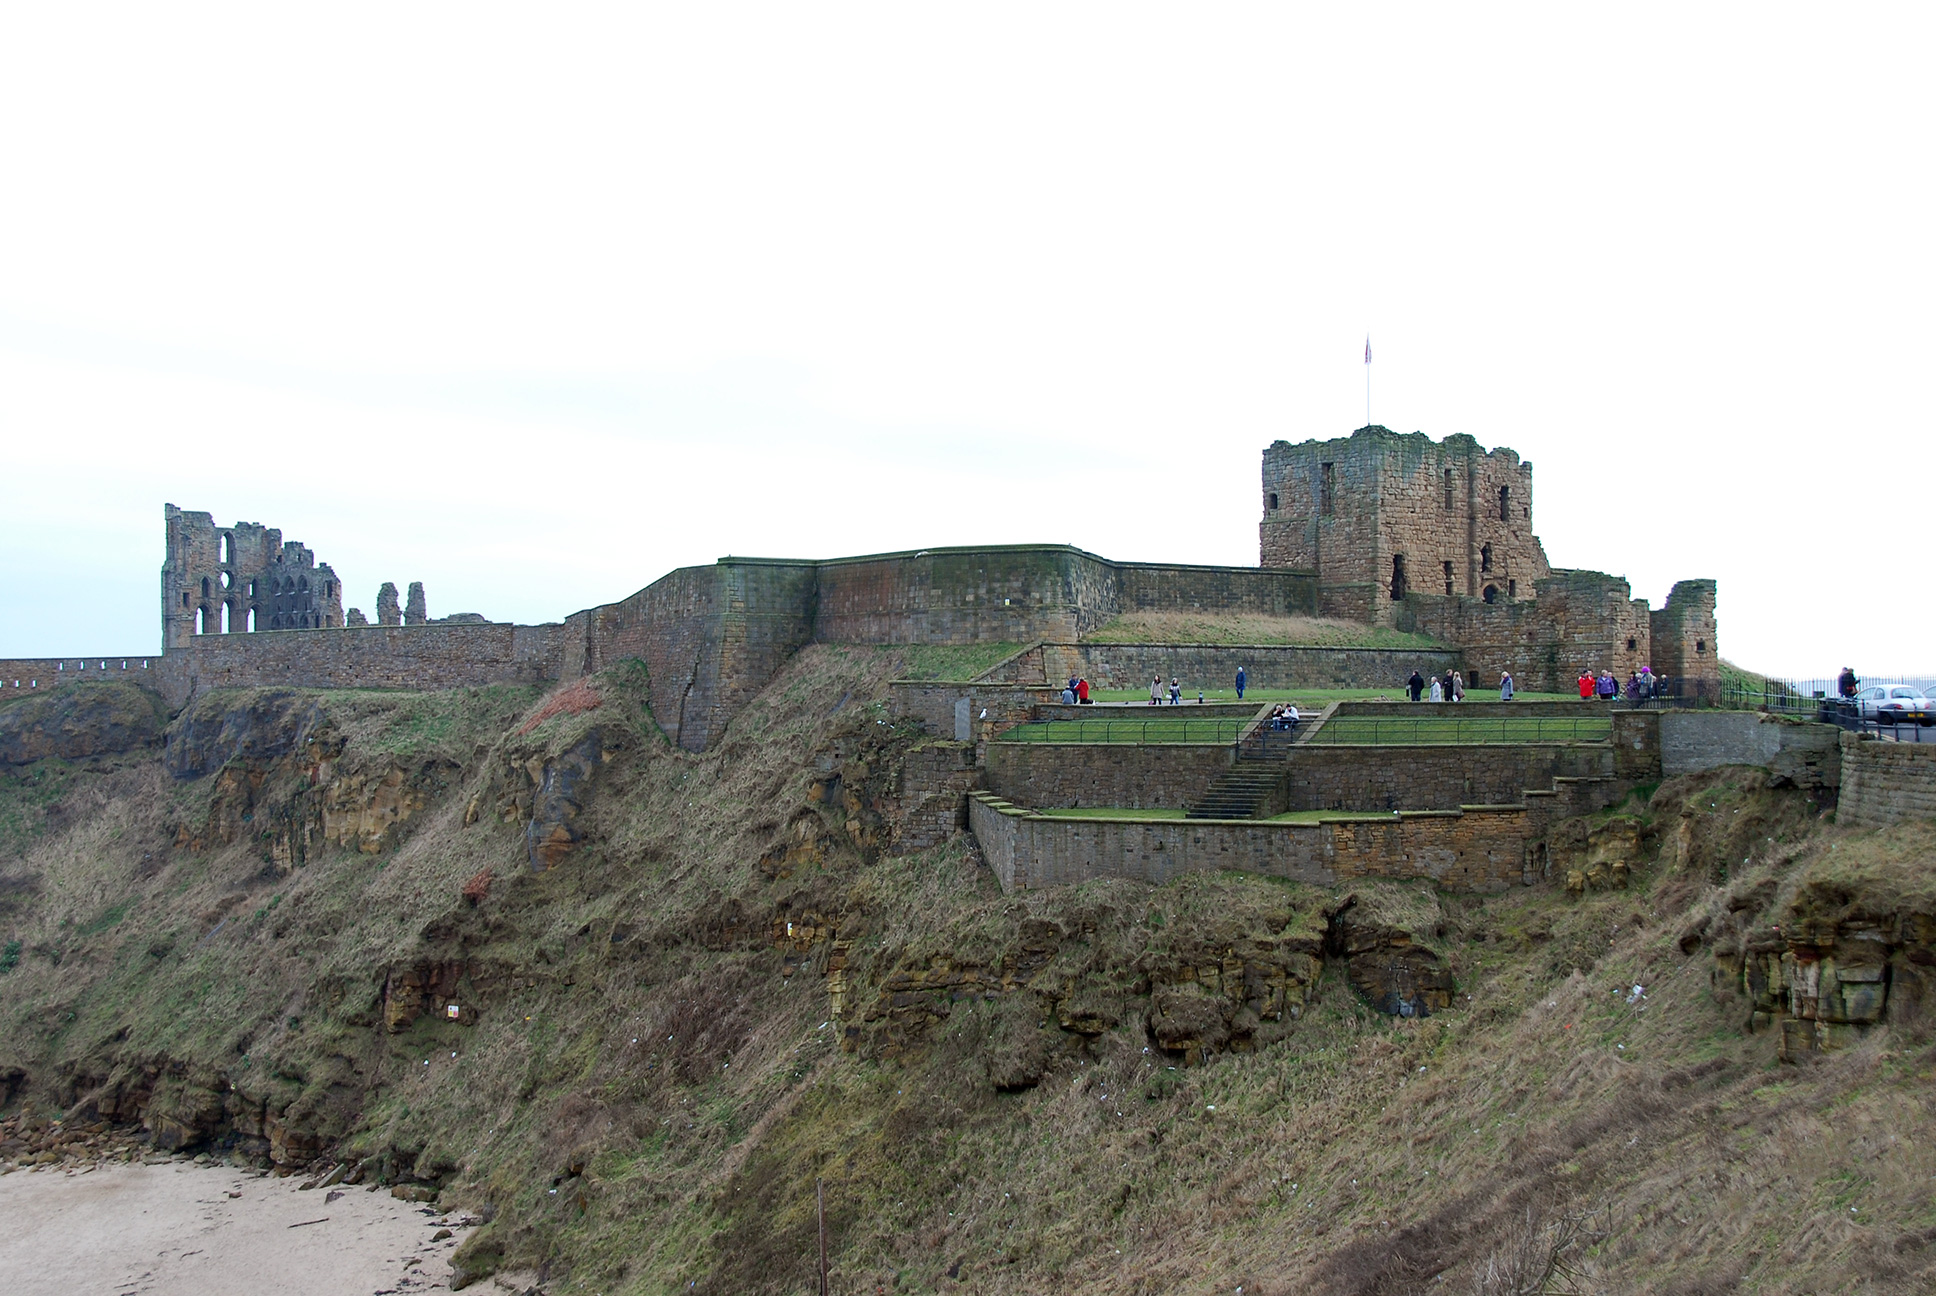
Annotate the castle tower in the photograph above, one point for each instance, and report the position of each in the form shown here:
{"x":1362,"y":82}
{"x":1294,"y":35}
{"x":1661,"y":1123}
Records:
{"x":231,"y":580}
{"x":1378,"y":515}
{"x":1685,"y":638}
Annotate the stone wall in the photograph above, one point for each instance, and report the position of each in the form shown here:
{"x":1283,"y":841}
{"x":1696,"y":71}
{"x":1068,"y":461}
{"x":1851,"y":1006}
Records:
{"x":403,"y":657}
{"x":1579,"y":620}
{"x":1362,"y":778}
{"x":1684,"y":635}
{"x":51,"y":672}
{"x":237,"y":579}
{"x":1477,"y":849}
{"x":1214,"y":666}
{"x":1691,"y":741}
{"x":1885,"y":783}
{"x":1130,"y":776}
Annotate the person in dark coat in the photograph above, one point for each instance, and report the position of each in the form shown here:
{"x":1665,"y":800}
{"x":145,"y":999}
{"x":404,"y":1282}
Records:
{"x":1417,"y":685}
{"x":1240,"y":683}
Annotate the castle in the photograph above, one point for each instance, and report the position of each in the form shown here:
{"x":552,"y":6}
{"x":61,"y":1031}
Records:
{"x":1428,"y":536}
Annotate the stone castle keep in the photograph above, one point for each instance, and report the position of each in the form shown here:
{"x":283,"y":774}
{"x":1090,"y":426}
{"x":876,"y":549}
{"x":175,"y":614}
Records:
{"x":1403,"y":531}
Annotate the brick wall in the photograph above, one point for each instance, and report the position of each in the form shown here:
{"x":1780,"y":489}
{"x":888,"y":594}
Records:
{"x":1691,"y":741}
{"x":936,"y":778}
{"x":1579,"y":619}
{"x":1475,"y":849}
{"x":1160,"y":776}
{"x":1885,"y":782}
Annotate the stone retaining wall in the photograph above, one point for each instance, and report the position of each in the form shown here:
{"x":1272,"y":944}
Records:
{"x":1366,"y":777}
{"x":51,"y":672}
{"x":1691,"y":741}
{"x":1475,"y":848}
{"x":1131,"y":776}
{"x":1885,"y":783}
{"x":1214,"y":666}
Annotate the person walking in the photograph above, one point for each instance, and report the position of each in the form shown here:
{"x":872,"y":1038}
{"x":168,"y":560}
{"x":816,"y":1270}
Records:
{"x":1240,"y":683}
{"x":1438,"y":690}
{"x":1176,"y":691}
{"x":1586,"y":685}
{"x":1847,"y":684}
{"x":1505,"y":686}
{"x":1416,"y":684}
{"x":1156,"y":691}
{"x":1458,"y":687}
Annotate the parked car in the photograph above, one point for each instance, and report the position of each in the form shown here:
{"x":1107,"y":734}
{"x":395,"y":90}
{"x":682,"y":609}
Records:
{"x":1895,"y":704}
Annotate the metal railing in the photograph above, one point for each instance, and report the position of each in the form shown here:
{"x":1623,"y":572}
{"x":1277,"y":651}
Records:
{"x":1848,"y":715}
{"x":1167,"y":729}
{"x":1416,"y":731}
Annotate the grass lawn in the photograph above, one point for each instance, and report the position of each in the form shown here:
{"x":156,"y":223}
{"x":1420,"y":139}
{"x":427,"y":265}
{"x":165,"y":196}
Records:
{"x":1415,"y":730}
{"x":1116,"y":812}
{"x":1315,"y":697}
{"x":1165,"y":728}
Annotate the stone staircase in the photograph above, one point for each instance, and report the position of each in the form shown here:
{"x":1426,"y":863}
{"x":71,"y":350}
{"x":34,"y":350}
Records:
{"x":1240,"y":792}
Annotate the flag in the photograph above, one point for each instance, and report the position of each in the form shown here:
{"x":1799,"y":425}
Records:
{"x":1367,"y":348}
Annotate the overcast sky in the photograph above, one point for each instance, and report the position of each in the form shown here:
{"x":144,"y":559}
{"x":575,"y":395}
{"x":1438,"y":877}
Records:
{"x":536,"y":303}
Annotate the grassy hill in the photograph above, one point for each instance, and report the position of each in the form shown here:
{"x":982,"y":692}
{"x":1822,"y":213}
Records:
{"x":689,"y":987}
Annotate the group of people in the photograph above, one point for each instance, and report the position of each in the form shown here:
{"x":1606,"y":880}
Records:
{"x":1605,"y":685}
{"x":1284,"y":716}
{"x":1077,"y":694}
{"x":1449,"y":688}
{"x":1175,"y":691}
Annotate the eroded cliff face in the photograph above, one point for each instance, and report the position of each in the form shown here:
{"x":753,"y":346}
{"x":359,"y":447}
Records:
{"x":496,"y":944}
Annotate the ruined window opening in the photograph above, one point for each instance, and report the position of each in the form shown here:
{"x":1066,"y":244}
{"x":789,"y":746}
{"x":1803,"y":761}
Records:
{"x":226,"y":609}
{"x":1505,"y":503}
{"x":204,"y":587}
{"x":184,"y":598}
{"x":252,"y":587}
{"x":228,"y":547}
{"x":1492,"y":594}
{"x":201,"y":620}
{"x":1273,"y":502}
{"x":1512,"y":589}
{"x":228,"y":580}
{"x":1327,"y":488}
{"x":1448,"y":576}
{"x":1485,"y":558}
{"x":1398,"y":576}
{"x":1632,"y":643}
{"x":251,"y":621}
{"x":304,"y":585}
{"x":1700,"y":646}
{"x":329,"y":587}
{"x":1448,"y":490}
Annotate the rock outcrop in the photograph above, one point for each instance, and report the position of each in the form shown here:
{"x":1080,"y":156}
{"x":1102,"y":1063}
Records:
{"x":79,"y":722}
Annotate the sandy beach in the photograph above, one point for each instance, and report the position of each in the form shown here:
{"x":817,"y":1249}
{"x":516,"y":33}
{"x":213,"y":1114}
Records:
{"x":178,"y":1229}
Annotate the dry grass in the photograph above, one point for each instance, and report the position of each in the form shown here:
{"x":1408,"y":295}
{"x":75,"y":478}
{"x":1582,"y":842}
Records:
{"x":654,"y":1083}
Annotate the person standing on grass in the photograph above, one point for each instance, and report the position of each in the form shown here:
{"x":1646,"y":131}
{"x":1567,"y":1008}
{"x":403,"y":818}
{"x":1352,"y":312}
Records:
{"x":1505,"y":686}
{"x":1176,"y":691}
{"x":1458,"y":687}
{"x":1156,"y":691}
{"x":1082,"y":692}
{"x":1240,"y":683}
{"x":1416,"y":684}
{"x":1438,"y":690}
{"x":1586,"y":685}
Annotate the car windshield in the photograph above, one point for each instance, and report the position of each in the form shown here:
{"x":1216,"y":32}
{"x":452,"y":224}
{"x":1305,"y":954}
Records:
{"x":1904,"y":693}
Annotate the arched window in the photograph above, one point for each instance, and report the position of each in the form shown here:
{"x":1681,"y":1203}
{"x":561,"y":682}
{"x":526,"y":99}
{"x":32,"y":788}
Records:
{"x":204,"y":587}
{"x":303,"y":585}
{"x":1492,"y":594}
{"x":201,"y":620}
{"x":227,"y":609}
{"x":1448,"y":576}
{"x":1398,"y":576}
{"x":228,"y":580}
{"x":1505,"y":503}
{"x":1272,"y":506}
{"x":251,"y":620}
{"x":1485,"y":558}
{"x":228,"y":548}
{"x":1448,"y":490}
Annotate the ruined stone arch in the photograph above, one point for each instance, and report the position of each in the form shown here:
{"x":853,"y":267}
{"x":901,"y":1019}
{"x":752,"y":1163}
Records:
{"x":1492,"y":594}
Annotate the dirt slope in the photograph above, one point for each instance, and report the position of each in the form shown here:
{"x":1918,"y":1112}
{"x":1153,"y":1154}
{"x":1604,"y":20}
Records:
{"x":632,"y":1003}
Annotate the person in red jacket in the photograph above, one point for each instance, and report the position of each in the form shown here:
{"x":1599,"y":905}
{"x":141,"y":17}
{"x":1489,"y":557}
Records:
{"x":1082,"y":692}
{"x":1586,"y":684}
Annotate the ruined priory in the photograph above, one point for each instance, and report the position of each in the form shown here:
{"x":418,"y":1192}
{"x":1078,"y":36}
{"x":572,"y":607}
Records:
{"x":1399,"y":530}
